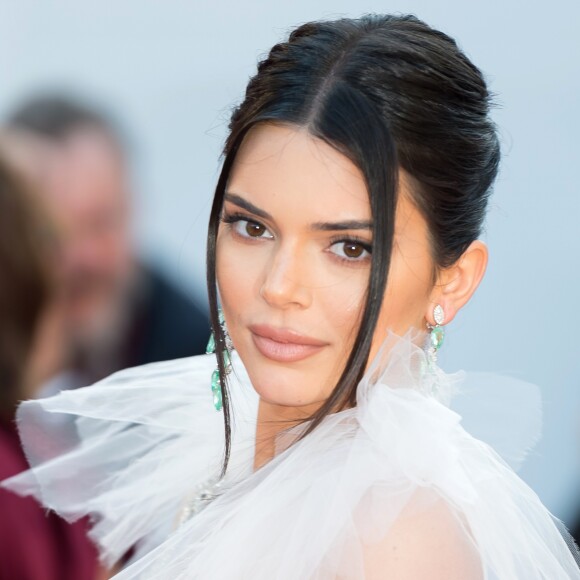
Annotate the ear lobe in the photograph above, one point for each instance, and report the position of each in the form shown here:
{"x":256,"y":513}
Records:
{"x":457,"y":283}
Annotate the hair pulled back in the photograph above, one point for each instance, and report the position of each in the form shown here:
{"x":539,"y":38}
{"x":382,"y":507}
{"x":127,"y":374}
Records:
{"x":388,"y":92}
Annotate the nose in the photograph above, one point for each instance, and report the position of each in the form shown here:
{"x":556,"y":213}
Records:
{"x":285,"y":282}
{"x":82,"y":253}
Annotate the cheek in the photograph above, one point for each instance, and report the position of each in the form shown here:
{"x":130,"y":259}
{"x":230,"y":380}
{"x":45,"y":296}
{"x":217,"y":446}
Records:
{"x":240,"y":272}
{"x":406,"y":299}
{"x":237,"y":276}
{"x":342,"y":308}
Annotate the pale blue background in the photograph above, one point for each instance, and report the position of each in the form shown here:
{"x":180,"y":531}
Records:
{"x":171,"y":71}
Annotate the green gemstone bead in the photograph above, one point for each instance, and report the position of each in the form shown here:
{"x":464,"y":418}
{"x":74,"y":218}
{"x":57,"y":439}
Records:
{"x":217,"y":400}
{"x":437,"y":336}
{"x":226,"y":358}
{"x":215,"y":381}
{"x":216,"y":390}
{"x":210,"y":348}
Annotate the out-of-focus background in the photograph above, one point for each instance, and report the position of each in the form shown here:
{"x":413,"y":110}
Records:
{"x":169,"y":73}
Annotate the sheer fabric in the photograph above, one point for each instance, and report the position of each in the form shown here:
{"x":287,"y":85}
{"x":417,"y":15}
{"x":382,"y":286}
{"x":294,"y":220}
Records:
{"x":397,"y":487}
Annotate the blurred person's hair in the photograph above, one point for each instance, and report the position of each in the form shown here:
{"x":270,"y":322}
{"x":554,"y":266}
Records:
{"x":26,"y":284}
{"x":55,"y":116}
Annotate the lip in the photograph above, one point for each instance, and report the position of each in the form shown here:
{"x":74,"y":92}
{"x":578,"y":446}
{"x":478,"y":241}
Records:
{"x":284,"y":344}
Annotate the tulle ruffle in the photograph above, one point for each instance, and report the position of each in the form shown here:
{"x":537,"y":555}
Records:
{"x":397,"y":486}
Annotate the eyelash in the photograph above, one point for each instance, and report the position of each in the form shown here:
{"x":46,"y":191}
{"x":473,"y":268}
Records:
{"x":232,"y":218}
{"x":353,"y":240}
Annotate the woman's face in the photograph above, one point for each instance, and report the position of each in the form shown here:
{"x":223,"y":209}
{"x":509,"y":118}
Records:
{"x":293,"y":264}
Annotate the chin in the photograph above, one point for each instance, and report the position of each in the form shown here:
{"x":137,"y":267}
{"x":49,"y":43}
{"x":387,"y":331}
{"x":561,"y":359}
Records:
{"x":287,"y":387}
{"x":95,"y":322}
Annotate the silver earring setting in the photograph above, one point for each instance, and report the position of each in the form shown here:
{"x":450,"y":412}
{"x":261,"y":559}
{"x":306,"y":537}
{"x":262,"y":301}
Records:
{"x":436,"y":336}
{"x":216,"y":380}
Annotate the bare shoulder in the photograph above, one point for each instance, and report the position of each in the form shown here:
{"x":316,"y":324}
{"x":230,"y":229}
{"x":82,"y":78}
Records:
{"x":426,"y":541}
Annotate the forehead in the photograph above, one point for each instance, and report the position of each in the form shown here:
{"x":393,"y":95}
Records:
{"x":83,"y":177}
{"x":280,"y":166}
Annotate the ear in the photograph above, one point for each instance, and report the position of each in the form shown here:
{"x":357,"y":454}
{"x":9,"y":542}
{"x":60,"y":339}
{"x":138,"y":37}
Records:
{"x":457,"y":283}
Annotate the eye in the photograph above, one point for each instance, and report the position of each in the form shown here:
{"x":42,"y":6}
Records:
{"x":250,"y":229}
{"x":351,"y":250}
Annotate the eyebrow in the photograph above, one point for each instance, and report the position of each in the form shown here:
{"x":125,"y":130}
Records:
{"x":318,"y":226}
{"x":245,"y":204}
{"x":346,"y":225}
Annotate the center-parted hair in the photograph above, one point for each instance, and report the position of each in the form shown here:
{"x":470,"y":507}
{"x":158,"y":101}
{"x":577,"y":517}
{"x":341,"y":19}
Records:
{"x":388,"y":92}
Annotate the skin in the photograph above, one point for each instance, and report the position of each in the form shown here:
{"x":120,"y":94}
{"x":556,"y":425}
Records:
{"x":284,"y":271}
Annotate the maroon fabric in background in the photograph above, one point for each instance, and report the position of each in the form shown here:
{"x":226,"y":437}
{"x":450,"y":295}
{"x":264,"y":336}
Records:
{"x":36,"y":544}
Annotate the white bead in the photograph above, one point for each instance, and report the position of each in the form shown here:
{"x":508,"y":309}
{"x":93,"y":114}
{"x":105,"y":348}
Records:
{"x":438,"y":314}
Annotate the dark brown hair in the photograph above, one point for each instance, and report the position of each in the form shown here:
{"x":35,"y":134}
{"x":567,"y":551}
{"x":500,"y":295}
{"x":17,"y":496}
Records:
{"x":25,"y":282}
{"x":388,"y":92}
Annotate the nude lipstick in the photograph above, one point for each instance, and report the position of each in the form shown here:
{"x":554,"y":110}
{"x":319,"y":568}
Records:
{"x":283,"y":344}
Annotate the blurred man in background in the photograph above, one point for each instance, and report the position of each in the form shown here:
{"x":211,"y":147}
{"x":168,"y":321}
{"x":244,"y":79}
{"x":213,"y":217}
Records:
{"x":118,"y":311}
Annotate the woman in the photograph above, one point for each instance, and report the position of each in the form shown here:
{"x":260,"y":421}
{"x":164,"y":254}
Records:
{"x":29,"y":353}
{"x":342,"y":238}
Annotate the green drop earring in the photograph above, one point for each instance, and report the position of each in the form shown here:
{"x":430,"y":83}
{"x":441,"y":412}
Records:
{"x":436,"y":336}
{"x":216,"y":381}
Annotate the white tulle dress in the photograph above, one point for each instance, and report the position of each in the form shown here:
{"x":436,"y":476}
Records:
{"x":416,"y":482}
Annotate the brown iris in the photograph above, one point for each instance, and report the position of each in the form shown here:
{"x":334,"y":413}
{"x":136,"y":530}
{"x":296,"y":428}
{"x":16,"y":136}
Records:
{"x":353,"y":250}
{"x":255,"y":230}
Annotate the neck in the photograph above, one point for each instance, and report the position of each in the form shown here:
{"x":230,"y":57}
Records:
{"x":272,"y":420}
